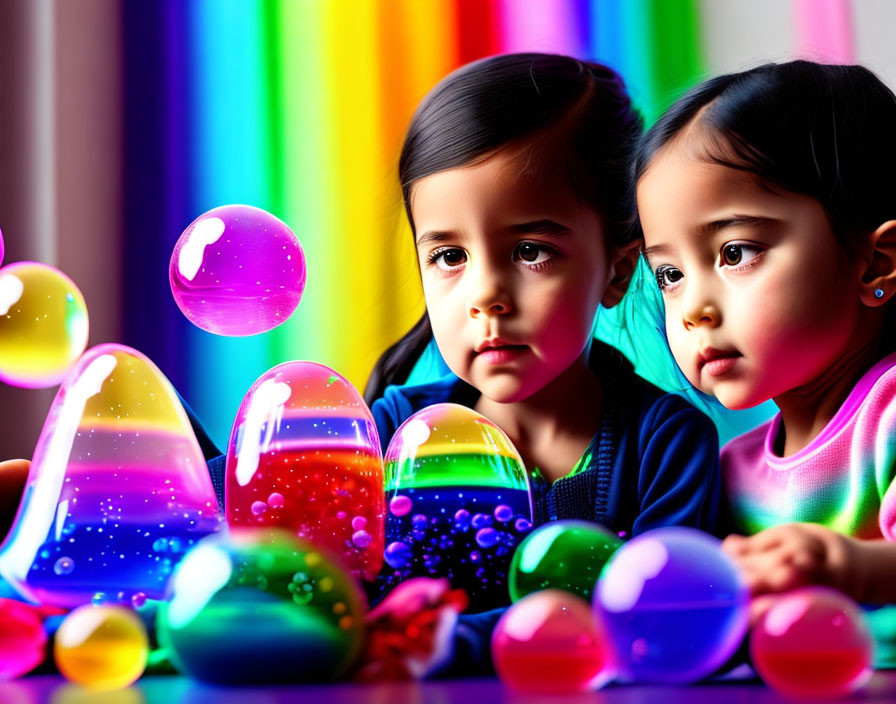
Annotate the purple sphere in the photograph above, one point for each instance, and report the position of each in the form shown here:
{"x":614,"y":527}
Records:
{"x":237,"y":270}
{"x":674,"y":605}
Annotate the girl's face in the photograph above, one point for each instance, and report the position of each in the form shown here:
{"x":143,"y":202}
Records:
{"x":760,"y":297}
{"x":513,"y":269}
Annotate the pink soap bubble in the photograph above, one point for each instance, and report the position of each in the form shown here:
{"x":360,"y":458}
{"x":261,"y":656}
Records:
{"x":237,"y":270}
{"x":305,"y":443}
{"x":813,"y":642}
{"x":550,"y":642}
{"x":118,"y":488}
{"x":22,"y":639}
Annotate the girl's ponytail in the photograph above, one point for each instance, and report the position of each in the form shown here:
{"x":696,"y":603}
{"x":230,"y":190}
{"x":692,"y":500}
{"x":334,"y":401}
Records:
{"x":396,"y":363}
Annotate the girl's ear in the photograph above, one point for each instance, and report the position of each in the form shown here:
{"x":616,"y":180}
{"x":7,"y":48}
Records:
{"x":623,"y":261}
{"x":878,"y":283}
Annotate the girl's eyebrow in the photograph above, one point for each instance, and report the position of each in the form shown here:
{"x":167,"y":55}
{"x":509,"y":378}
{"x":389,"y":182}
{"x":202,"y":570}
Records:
{"x":434,"y":236}
{"x":735,"y":220}
{"x":545,"y":226}
{"x":711,"y":228}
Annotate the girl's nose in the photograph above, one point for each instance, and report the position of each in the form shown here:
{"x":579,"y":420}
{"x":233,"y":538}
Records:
{"x":706,"y":314}
{"x":489,"y":298}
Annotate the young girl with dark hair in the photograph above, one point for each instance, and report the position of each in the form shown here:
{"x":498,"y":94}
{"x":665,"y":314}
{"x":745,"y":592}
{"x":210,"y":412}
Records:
{"x":767,"y":201}
{"x":515,"y":174}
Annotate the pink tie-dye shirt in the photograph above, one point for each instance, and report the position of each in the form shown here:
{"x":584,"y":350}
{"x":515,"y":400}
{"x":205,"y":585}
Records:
{"x":843,"y":479}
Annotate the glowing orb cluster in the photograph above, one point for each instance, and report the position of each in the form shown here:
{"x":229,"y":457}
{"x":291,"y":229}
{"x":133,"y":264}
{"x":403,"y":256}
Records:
{"x":101,"y":647}
{"x":118,"y":488}
{"x":567,"y":555}
{"x":237,"y":270}
{"x":813,"y":642}
{"x":304,"y":455}
{"x":261,"y":606}
{"x":458,"y":502}
{"x":550,"y":642}
{"x":673,"y":604}
{"x":43,"y":325}
{"x":22,"y":639}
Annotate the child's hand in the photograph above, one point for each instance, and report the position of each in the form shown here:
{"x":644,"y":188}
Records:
{"x":794,"y":555}
{"x":13,"y":474}
{"x":410,"y":631}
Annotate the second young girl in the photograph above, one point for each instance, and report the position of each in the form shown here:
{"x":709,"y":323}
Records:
{"x":767,"y":201}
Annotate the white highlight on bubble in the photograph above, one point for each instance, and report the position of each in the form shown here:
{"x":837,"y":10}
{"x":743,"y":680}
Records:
{"x":264,"y":413}
{"x":523,"y":623}
{"x":40,"y":512}
{"x":415,"y":433}
{"x":11,"y":290}
{"x":620,"y":587}
{"x":784,"y":614}
{"x":79,"y":626}
{"x":204,"y":233}
{"x":197,"y":579}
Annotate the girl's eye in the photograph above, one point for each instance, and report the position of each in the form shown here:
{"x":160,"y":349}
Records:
{"x":667,"y":276}
{"x":738,"y":253}
{"x":447,"y":259}
{"x":532,"y":253}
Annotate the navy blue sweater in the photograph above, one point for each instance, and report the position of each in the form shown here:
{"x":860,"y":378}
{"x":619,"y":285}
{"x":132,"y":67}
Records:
{"x":654,"y":462}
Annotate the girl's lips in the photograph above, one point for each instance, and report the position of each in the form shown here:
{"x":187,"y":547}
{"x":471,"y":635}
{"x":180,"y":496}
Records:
{"x":502,"y":354}
{"x":720,"y":365}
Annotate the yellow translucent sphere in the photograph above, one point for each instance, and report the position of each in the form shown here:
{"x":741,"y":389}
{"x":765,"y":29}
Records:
{"x":101,"y":647}
{"x":43,"y":325}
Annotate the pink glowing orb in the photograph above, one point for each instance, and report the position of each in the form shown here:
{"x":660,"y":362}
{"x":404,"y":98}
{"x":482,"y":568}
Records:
{"x":118,"y":488}
{"x":813,"y":642}
{"x":237,"y":270}
{"x":2,"y":247}
{"x":22,"y":639}
{"x":304,"y":455}
{"x":549,"y":641}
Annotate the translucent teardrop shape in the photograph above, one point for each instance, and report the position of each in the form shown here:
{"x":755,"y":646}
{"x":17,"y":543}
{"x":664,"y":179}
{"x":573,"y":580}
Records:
{"x":118,"y":488}
{"x":459,"y":502}
{"x":304,"y":455}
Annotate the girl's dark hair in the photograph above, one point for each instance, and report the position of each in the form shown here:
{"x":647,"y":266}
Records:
{"x":820,"y":130}
{"x":581,"y":110}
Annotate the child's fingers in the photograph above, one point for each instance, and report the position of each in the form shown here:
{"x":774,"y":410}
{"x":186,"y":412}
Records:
{"x":13,"y":474}
{"x":735,"y":545}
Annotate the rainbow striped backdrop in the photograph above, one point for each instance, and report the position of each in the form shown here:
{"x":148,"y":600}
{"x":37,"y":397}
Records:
{"x":298,"y":107}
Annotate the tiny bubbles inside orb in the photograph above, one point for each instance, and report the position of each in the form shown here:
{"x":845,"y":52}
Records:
{"x":237,"y":270}
{"x":458,"y":500}
{"x":260,"y":605}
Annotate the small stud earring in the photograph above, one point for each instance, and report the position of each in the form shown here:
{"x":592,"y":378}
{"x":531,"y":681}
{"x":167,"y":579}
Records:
{"x":878,"y":293}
